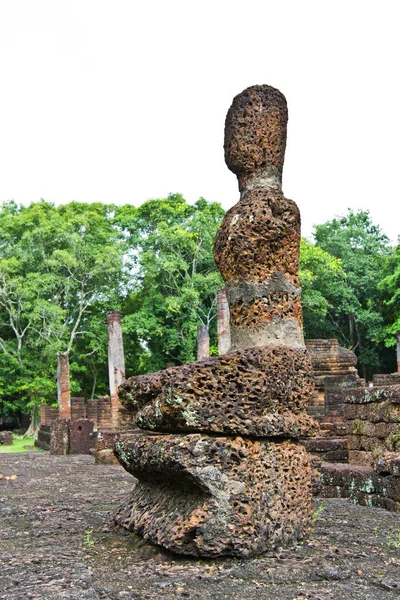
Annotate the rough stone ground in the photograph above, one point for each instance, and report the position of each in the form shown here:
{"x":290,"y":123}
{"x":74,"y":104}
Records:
{"x":57,"y":542}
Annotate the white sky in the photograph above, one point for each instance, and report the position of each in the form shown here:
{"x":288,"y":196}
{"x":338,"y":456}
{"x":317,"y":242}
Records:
{"x":121,"y":101}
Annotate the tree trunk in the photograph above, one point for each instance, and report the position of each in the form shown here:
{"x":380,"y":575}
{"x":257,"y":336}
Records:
{"x":94,"y":371}
{"x":34,"y":424}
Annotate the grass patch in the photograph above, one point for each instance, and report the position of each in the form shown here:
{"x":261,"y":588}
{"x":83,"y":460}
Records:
{"x":18,"y":446}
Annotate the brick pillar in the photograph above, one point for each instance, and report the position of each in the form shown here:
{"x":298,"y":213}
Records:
{"x":398,"y":351}
{"x":223,"y":324}
{"x":116,"y":362}
{"x":203,"y":342}
{"x":63,"y":385}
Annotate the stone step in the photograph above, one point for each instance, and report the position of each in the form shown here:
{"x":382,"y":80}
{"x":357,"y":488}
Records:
{"x":333,"y":429}
{"x":329,"y":449}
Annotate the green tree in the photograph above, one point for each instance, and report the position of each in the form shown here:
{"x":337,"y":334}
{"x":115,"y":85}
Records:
{"x":56,"y":266}
{"x":175,"y":278}
{"x":364,"y":251}
{"x":390,"y":288}
{"x":324,"y":291}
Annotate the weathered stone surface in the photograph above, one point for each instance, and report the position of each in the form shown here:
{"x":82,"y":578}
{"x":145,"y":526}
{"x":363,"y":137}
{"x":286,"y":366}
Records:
{"x":59,"y":440}
{"x":361,"y":484}
{"x":81,"y":436}
{"x":257,"y":251}
{"x":328,"y":449}
{"x":104,"y":446}
{"x":257,"y":246}
{"x":372,"y":419}
{"x":386,"y":379}
{"x":6,"y":438}
{"x":116,"y":362}
{"x":259,"y":392}
{"x":212,"y":496}
{"x":362,"y":458}
{"x":205,"y":494}
{"x":44,"y":437}
{"x":258,"y":241}
{"x":389,"y":393}
{"x":255,"y":135}
{"x":388,"y":464}
{"x":328,"y":358}
{"x":223,"y":322}
{"x":68,"y":437}
{"x":63,"y":386}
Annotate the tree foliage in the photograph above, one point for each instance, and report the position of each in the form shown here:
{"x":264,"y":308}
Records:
{"x":175,"y":278}
{"x":390,"y":290}
{"x":357,"y":319}
{"x":57,"y":266}
{"x":62,"y":268}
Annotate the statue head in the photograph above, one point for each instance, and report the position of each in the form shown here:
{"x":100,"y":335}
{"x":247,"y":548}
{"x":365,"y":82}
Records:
{"x":255,"y":134}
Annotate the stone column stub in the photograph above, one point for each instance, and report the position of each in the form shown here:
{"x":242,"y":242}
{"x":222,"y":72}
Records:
{"x":223,"y":322}
{"x":116,"y":362}
{"x":203,"y":342}
{"x":63,"y":385}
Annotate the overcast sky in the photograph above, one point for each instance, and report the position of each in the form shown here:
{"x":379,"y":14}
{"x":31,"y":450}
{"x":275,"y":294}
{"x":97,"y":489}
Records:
{"x":121,"y":101}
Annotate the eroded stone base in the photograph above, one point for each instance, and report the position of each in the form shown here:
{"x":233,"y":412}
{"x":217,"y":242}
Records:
{"x":260,"y":392}
{"x":213,"y":496}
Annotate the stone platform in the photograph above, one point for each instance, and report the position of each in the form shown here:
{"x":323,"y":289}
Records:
{"x":57,"y":542}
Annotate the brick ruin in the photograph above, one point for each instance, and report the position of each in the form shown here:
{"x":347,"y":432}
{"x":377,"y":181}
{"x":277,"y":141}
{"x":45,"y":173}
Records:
{"x":6,"y":438}
{"x":334,"y":371}
{"x":372,"y":475}
{"x":219,"y":466}
{"x":108,"y":433}
{"x":97,"y":411}
{"x":386,"y":379}
{"x":70,"y":428}
{"x":63,"y":386}
{"x":116,"y":362}
{"x":357,"y":453}
{"x":330,"y":362}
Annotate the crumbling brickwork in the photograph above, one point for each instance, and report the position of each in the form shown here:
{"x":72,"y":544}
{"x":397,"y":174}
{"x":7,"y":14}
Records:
{"x":203,"y":488}
{"x":6,"y":438}
{"x":373,"y":426}
{"x":78,"y":408}
{"x":71,"y":437}
{"x":86,"y":415}
{"x":116,"y":362}
{"x":334,"y":371}
{"x":386,"y":379}
{"x":48,"y":414}
{"x":334,"y":367}
{"x":377,"y":485}
{"x":63,"y":385}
